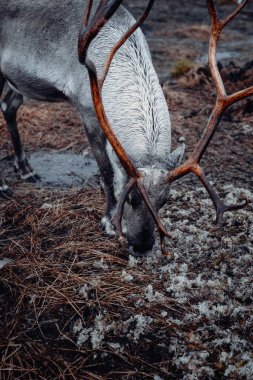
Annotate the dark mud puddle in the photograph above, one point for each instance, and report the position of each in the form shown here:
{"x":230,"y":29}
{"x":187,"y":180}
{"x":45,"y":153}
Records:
{"x":63,"y":169}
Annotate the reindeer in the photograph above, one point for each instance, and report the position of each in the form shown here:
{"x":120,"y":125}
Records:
{"x":111,"y":82}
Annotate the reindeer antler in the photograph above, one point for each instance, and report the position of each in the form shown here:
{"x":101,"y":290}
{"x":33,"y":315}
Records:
{"x":223,"y":101}
{"x":103,"y":13}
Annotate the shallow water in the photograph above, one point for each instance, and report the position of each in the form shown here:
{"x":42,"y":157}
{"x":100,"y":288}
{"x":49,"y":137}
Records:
{"x":63,"y":168}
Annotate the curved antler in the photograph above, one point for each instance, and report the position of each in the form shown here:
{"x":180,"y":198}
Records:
{"x":102,"y":15}
{"x":223,"y":101}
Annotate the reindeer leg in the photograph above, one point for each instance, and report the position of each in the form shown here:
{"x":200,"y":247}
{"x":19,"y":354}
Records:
{"x":97,"y":142}
{"x":4,"y":189}
{"x":10,"y":106}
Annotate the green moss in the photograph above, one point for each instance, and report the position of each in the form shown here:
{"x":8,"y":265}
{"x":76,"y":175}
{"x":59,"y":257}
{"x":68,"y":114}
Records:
{"x":180,"y":68}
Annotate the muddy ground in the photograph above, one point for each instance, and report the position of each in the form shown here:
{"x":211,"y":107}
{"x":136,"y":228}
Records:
{"x":73,"y":304}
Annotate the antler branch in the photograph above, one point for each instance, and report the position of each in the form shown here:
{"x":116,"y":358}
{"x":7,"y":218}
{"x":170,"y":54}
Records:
{"x":104,"y":12}
{"x":87,"y":13}
{"x":105,"y":124}
{"x":162,"y":231}
{"x":123,"y":39}
{"x":116,"y":220}
{"x":234,"y":14}
{"x":223,"y":101}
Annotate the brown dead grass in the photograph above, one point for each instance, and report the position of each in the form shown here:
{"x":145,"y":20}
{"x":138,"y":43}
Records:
{"x":63,"y":125}
{"x":54,"y":241}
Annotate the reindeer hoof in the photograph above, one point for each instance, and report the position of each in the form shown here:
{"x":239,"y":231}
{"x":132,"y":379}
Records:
{"x":28,"y":175}
{"x":25,"y":171}
{"x":5,"y":191}
{"x":32,"y":178}
{"x":107,"y":227}
{"x":122,"y":240}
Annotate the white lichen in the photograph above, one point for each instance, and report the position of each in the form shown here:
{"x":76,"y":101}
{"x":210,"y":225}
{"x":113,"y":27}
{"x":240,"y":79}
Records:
{"x":100,"y":264}
{"x":4,"y":262}
{"x":126,"y":277}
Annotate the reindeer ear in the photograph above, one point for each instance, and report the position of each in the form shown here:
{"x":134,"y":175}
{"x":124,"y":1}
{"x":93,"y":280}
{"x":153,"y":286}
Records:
{"x":176,"y":156}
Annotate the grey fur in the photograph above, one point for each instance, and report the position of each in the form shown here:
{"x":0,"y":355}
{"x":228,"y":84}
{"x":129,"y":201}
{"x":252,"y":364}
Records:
{"x":38,"y":59}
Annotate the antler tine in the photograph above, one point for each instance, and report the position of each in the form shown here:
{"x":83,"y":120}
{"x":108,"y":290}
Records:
{"x":234,"y":14}
{"x":216,"y":27}
{"x":104,"y":12}
{"x":87,"y":13}
{"x":162,"y":231}
{"x":105,"y":124}
{"x":220,"y":207}
{"x":223,"y":101}
{"x":117,"y":218}
{"x":214,"y":15}
{"x":123,"y":40}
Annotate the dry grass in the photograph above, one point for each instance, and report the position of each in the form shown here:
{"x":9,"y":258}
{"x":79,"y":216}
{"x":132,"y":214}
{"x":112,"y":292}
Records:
{"x":74,"y":305}
{"x":57,"y":119}
{"x":55,"y":249}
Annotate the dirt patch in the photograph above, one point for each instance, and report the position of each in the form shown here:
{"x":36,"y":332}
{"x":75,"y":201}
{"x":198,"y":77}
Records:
{"x":73,"y":304}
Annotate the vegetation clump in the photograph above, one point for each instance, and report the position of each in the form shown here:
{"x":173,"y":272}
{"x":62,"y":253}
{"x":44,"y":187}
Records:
{"x":180,"y":68}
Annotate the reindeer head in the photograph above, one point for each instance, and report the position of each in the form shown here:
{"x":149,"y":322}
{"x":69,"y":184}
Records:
{"x":146,"y":190}
{"x":138,"y":224}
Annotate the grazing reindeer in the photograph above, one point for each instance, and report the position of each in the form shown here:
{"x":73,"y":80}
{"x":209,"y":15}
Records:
{"x":43,"y":63}
{"x":39,"y":59}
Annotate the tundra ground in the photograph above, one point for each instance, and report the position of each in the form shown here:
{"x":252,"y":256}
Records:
{"x":73,"y":304}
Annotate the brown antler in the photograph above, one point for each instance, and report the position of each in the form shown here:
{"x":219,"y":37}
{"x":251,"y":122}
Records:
{"x":102,"y":15}
{"x":223,"y":101}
